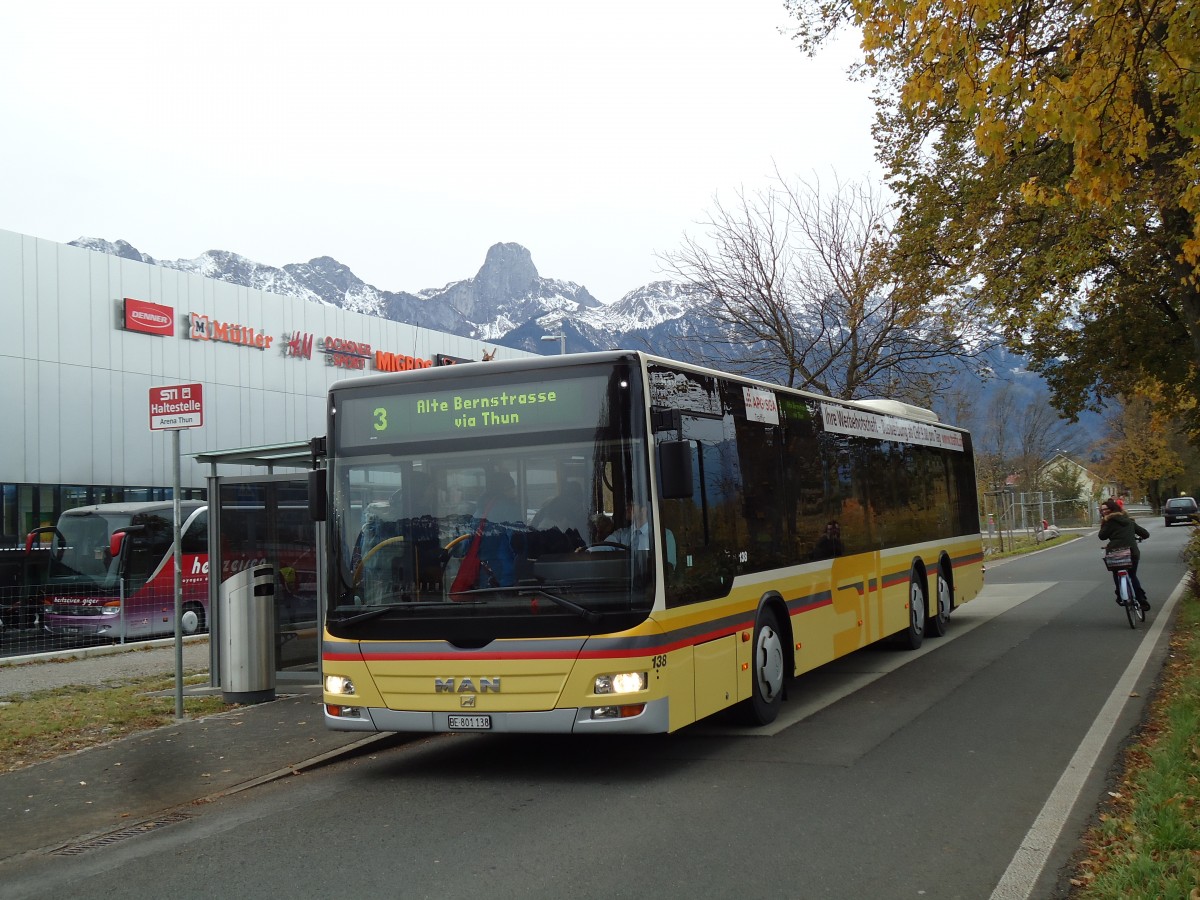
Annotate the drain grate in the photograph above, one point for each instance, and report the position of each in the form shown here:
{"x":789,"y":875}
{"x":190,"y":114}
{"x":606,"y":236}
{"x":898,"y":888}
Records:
{"x":115,"y":837}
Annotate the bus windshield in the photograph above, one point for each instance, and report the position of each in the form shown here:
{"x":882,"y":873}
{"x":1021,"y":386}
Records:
{"x":470,"y":511}
{"x":80,"y":549}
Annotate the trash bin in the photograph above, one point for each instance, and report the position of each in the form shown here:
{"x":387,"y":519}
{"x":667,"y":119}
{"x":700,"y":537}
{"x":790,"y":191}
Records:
{"x":247,"y":627}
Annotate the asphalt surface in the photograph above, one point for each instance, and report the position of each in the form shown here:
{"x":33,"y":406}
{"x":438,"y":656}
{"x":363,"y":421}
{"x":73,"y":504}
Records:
{"x":132,"y":783}
{"x":61,"y":803}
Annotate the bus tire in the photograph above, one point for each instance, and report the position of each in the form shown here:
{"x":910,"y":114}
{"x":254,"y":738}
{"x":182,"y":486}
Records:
{"x":939,"y":621}
{"x":191,"y":620}
{"x":767,"y":671}
{"x":912,"y":636}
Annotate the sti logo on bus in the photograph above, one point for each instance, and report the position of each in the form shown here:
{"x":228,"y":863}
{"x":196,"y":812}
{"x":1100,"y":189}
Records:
{"x":466,"y":686}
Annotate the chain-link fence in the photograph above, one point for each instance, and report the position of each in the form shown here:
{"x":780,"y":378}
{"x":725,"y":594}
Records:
{"x":1012,"y":517}
{"x":21,"y":629}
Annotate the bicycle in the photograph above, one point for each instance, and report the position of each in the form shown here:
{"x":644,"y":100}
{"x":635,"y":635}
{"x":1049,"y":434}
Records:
{"x":1119,"y":560}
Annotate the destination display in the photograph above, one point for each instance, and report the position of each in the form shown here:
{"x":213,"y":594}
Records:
{"x":857,"y":422}
{"x":471,"y":412}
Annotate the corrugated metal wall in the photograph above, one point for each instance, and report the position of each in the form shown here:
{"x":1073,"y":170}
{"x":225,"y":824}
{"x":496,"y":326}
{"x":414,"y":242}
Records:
{"x":74,"y":384}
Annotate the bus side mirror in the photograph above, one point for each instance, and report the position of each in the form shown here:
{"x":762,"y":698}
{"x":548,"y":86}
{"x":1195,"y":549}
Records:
{"x":36,"y":535}
{"x":115,"y":543}
{"x":675,"y":469}
{"x":318,"y":496}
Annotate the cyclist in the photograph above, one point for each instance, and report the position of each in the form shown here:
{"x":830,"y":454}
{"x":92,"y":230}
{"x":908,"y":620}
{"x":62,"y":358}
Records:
{"x":1119,"y":529}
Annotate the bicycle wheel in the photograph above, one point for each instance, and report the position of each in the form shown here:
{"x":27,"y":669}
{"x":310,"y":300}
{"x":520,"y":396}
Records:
{"x":1132,"y":607}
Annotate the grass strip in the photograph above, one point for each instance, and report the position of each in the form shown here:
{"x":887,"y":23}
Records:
{"x":46,"y":724}
{"x":1146,"y":844}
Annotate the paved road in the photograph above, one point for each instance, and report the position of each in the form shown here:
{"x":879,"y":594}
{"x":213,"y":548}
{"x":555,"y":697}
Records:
{"x":938,"y":774}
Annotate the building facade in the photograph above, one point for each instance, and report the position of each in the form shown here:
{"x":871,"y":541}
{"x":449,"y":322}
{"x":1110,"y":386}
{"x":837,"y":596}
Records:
{"x":85,"y":336}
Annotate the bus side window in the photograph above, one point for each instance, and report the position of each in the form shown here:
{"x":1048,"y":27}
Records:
{"x":195,"y":538}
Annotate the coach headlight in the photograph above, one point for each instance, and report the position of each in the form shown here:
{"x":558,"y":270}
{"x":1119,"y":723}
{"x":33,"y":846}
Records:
{"x":621,"y":683}
{"x":339,"y":684}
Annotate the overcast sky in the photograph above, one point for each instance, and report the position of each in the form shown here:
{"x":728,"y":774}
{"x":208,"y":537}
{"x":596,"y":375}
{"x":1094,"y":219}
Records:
{"x":404,"y":138}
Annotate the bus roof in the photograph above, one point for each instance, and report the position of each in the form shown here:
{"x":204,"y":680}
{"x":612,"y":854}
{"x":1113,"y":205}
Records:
{"x":536,"y":363}
{"x":132,"y":508}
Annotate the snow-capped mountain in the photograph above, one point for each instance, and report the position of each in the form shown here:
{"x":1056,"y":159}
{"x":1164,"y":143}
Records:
{"x":507,"y":302}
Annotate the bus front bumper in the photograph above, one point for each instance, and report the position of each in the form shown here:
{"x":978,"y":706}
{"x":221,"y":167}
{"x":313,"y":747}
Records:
{"x":654,"y":719}
{"x":74,"y":627}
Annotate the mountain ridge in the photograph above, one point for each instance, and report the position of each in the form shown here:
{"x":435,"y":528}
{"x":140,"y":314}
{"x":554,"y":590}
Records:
{"x":508,"y":302}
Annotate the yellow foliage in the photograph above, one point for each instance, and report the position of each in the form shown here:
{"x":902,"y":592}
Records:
{"x":1048,"y":154}
{"x":1100,"y":75}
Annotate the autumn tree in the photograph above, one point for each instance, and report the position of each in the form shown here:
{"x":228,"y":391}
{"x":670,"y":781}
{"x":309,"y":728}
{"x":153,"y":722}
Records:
{"x":803,"y":274}
{"x":1142,"y":451}
{"x":1047,"y":151}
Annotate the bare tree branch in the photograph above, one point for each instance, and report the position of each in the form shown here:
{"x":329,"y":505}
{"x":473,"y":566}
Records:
{"x":803,"y":276}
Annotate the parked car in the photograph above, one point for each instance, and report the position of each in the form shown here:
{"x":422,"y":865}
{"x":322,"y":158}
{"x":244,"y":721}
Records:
{"x":1181,"y":509}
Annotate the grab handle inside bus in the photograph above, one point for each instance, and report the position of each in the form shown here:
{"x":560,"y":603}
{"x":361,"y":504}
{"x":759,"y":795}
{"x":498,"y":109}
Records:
{"x":675,"y":469}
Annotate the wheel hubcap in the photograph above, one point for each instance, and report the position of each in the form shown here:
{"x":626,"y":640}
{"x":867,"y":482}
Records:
{"x":916,"y":606}
{"x":943,"y":598}
{"x":769,"y":670}
{"x":189,"y":621}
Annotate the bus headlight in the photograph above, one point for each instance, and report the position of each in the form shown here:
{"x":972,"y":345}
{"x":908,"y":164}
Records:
{"x":621,"y":683}
{"x":339,"y":684}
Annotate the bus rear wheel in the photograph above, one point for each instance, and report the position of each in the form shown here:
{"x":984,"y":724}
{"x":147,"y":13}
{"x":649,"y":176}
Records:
{"x":191,"y":620}
{"x":939,"y":619}
{"x":767,"y":671}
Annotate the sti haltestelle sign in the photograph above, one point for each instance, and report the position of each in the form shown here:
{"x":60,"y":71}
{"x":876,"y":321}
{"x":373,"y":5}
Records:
{"x":176,"y":406}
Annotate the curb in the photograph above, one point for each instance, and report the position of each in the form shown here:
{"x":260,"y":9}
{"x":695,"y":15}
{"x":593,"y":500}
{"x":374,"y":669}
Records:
{"x":67,"y":654}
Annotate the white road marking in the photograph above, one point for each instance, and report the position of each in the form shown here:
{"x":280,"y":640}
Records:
{"x":1027,"y":864}
{"x":853,"y":673}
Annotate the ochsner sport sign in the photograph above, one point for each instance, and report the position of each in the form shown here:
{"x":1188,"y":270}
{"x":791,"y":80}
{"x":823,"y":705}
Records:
{"x":860,"y":423}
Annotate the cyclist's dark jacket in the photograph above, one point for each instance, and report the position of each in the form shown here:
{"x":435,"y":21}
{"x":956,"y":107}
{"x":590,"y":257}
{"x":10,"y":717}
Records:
{"x":1120,"y":530}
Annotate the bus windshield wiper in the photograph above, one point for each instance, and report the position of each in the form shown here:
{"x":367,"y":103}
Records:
{"x":365,"y":616}
{"x":376,"y":611}
{"x":588,"y":615}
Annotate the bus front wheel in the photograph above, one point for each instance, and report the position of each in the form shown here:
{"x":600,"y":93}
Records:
{"x":191,"y":620}
{"x":767,"y":675}
{"x":912,"y":636}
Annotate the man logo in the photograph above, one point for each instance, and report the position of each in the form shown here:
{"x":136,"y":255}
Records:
{"x":466,"y":686}
{"x":467,"y":701}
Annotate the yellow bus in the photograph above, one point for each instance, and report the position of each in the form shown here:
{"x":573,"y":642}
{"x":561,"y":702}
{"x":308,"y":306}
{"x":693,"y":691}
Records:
{"x":616,"y":542}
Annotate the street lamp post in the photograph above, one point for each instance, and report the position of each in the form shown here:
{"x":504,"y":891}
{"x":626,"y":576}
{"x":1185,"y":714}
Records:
{"x":561,"y":337}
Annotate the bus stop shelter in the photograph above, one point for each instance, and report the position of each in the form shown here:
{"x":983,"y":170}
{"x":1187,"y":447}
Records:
{"x":261,"y":519}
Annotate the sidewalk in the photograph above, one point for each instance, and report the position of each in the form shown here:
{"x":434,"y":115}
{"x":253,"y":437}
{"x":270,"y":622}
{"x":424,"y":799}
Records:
{"x":120,"y":785}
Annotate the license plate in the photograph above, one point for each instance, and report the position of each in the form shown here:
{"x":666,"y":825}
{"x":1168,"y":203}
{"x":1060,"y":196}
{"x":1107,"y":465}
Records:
{"x":71,"y":629}
{"x":471,"y":723}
